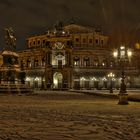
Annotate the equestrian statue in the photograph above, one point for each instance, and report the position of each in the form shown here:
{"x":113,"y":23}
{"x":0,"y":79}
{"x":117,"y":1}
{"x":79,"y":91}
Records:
{"x":10,"y":39}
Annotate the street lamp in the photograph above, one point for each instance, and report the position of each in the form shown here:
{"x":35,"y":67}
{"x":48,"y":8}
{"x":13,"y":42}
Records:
{"x":122,"y":55}
{"x":111,"y":75}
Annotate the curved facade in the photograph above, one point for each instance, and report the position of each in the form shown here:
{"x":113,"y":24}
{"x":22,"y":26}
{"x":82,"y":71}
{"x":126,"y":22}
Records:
{"x":72,"y":57}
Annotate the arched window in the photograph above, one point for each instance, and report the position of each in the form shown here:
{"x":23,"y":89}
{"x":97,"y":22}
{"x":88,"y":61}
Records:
{"x":35,"y":63}
{"x":76,"y":61}
{"x":43,"y":61}
{"x":104,"y":63}
{"x":96,"y":62}
{"x":86,"y":61}
{"x":28,"y":63}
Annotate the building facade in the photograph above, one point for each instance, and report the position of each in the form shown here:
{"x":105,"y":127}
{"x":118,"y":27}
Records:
{"x":73,"y":57}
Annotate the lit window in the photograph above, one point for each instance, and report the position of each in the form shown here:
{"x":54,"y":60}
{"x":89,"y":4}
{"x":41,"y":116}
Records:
{"x":86,"y":61}
{"x":76,"y":61}
{"x":27,"y":79}
{"x":122,"y":53}
{"x":36,"y":79}
{"x":129,"y":53}
{"x":115,"y":54}
{"x":122,"y":48}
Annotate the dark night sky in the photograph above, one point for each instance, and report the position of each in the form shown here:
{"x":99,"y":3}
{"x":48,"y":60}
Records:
{"x":120,"y":19}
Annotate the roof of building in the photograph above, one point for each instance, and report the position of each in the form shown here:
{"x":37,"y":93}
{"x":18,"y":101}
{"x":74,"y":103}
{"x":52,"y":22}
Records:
{"x":71,"y":29}
{"x":75,"y":28}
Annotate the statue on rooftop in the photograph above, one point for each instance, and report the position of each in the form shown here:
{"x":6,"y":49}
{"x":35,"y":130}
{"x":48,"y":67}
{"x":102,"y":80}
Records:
{"x":59,"y":26}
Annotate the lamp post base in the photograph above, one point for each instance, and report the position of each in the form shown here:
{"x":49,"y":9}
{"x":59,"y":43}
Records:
{"x":123,"y":99}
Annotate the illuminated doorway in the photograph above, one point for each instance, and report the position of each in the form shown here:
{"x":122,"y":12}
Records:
{"x":57,"y":80}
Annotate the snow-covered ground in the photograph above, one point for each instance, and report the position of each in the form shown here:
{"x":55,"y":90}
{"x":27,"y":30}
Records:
{"x":67,"y":116}
{"x":133,"y":95}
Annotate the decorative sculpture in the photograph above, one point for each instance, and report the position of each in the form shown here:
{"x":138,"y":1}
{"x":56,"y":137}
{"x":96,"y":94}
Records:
{"x":10,"y":39}
{"x":12,"y":78}
{"x":59,"y":26}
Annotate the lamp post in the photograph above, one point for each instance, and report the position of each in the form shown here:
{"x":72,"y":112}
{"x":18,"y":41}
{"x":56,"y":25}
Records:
{"x":111,"y":75}
{"x":122,"y":55}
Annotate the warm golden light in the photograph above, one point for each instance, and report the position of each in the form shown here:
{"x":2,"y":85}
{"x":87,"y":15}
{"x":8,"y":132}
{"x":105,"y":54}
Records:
{"x":115,"y":54}
{"x":94,"y":79}
{"x":55,"y":81}
{"x":36,"y":79}
{"x":63,"y":32}
{"x":111,"y":75}
{"x":122,"y":47}
{"x":129,"y":53}
{"x":27,"y":79}
{"x":137,"y":46}
{"x":83,"y":79}
{"x":104,"y":79}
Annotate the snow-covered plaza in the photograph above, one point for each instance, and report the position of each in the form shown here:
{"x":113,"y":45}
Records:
{"x":67,"y":116}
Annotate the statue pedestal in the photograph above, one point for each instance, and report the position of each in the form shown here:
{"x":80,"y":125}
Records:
{"x":11,"y":76}
{"x":123,"y":99}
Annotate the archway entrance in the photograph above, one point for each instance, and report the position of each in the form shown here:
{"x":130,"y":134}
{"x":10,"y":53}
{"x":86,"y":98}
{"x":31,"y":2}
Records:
{"x":57,"y":80}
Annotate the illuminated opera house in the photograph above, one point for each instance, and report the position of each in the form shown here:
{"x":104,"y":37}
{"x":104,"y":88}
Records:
{"x":74,"y":57}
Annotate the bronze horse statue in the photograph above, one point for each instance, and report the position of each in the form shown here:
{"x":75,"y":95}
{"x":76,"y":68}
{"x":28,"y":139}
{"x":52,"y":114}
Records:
{"x":9,"y":37}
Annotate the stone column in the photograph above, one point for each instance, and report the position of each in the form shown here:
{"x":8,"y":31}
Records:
{"x":67,"y":59}
{"x":70,"y":59}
